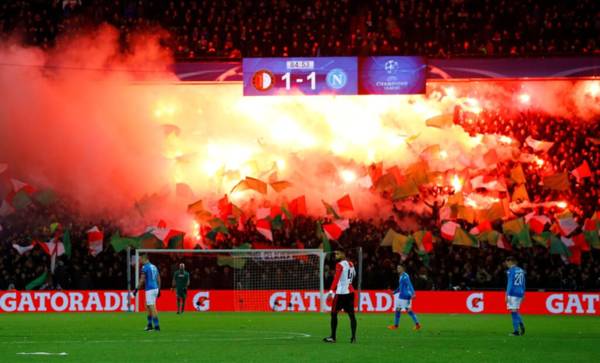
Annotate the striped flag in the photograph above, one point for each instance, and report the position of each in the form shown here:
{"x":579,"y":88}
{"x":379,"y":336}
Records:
{"x":263,"y":226}
{"x":95,"y":241}
{"x":334,"y":230}
{"x":449,"y":230}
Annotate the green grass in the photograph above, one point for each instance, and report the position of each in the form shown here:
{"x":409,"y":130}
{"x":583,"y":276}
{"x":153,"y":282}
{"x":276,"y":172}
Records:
{"x":277,"y":337}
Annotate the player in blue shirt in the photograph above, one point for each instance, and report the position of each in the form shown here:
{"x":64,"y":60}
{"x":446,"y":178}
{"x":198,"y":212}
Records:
{"x":403,"y":296}
{"x":515,"y":292}
{"x":150,"y":281}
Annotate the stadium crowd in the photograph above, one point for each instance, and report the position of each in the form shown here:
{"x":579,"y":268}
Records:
{"x":447,"y":266}
{"x":232,"y":29}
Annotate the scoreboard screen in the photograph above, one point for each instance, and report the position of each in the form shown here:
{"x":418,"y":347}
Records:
{"x":308,"y":76}
{"x":383,"y":75}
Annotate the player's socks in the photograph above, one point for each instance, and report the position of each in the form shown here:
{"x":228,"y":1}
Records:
{"x":149,"y":322}
{"x":334,"y":321}
{"x":522,"y":327}
{"x":397,"y":318}
{"x":156,"y":326}
{"x":413,"y":317}
{"x":353,"y":326}
{"x":515,"y":321}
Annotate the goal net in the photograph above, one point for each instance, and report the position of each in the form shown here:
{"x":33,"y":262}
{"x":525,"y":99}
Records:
{"x":252,"y":280}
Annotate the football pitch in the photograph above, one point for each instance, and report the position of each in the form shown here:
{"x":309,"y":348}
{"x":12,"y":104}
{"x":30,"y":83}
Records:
{"x":293,"y":337}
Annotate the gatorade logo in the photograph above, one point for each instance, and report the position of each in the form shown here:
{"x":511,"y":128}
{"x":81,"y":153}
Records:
{"x":475,"y":302}
{"x":263,"y":80}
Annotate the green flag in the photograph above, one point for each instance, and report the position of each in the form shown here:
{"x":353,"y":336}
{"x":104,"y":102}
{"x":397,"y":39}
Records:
{"x":21,"y":200}
{"x":557,"y":247}
{"x":463,"y":238}
{"x":176,"y":242}
{"x":45,"y":197}
{"x":67,"y":242}
{"x":120,"y":243}
{"x":323,"y":237}
{"x":39,"y":281}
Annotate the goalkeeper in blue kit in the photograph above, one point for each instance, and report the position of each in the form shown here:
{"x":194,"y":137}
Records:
{"x":515,"y":292}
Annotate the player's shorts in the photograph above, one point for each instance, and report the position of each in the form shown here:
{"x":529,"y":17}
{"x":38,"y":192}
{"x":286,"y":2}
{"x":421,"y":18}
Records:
{"x":513,"y":302}
{"x":402,"y":304}
{"x":343,"y":302}
{"x":181,"y":293}
{"x":151,"y":296}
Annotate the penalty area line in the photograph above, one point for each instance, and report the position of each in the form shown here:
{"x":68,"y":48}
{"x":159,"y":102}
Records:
{"x":42,"y":353}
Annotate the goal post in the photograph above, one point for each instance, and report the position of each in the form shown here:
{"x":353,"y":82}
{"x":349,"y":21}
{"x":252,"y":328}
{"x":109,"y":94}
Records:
{"x":252,"y":276}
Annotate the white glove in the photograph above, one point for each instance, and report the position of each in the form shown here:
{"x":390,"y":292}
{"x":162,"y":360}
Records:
{"x":331,"y":293}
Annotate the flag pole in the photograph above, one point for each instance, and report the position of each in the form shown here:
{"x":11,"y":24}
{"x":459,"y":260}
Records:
{"x":128,"y":267}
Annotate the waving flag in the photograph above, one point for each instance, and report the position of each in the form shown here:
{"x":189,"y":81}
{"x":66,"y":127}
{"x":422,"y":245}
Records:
{"x":484,"y":226}
{"x":567,"y":225}
{"x":22,"y":249}
{"x":330,"y":210}
{"x":537,"y":145}
{"x":582,"y":171}
{"x":298,"y":206}
{"x":558,"y":181}
{"x":251,"y":184}
{"x":488,"y":182}
{"x":37,"y":282}
{"x":169,"y":237}
{"x":462,"y":238}
{"x":280,"y":185}
{"x":402,"y":244}
{"x":449,"y":230}
{"x":520,"y":194}
{"x":442,"y":121}
{"x":537,"y":223}
{"x":519,"y":232}
{"x":334,"y":230}
{"x":263,"y":226}
{"x":345,"y":204}
{"x":424,"y":240}
{"x":52,"y":247}
{"x":591,"y":228}
{"x":517,"y":175}
{"x":95,"y":241}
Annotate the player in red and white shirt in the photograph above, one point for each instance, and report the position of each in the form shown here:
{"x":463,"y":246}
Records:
{"x":343,"y":293}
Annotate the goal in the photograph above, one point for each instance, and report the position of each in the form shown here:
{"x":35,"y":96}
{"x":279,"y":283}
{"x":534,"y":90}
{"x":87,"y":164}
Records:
{"x":253,"y":280}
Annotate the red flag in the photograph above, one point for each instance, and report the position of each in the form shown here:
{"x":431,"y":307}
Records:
{"x":263,"y":227}
{"x":484,"y":226}
{"x":537,"y":223}
{"x":275,"y":211}
{"x":225,"y":208}
{"x":345,"y":204}
{"x":375,"y":171}
{"x":334,"y":230}
{"x":581,"y":243}
{"x":395,"y":171}
{"x":575,"y":257}
{"x":582,"y":171}
{"x":298,"y":206}
{"x":427,"y":242}
{"x":95,"y":241}
{"x":449,"y":230}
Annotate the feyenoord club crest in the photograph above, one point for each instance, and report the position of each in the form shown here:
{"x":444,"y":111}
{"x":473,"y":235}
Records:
{"x":263,"y":80}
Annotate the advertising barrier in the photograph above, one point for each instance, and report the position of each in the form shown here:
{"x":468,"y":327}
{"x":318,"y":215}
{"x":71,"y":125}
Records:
{"x":442,"y":302}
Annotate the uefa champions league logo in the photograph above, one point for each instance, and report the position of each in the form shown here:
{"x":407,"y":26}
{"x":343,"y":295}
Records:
{"x":391,"y":66}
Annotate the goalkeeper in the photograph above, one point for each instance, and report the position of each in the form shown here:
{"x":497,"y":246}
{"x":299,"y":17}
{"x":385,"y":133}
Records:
{"x":181,"y":282}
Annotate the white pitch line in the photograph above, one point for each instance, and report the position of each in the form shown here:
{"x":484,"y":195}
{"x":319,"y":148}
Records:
{"x":42,"y":353}
{"x":283,"y":336}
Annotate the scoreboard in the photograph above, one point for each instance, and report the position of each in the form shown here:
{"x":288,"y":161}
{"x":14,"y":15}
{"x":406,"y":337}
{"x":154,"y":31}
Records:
{"x":309,"y":76}
{"x":334,"y":76}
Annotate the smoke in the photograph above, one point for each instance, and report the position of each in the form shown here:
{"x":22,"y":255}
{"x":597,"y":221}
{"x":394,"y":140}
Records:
{"x":84,"y":121}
